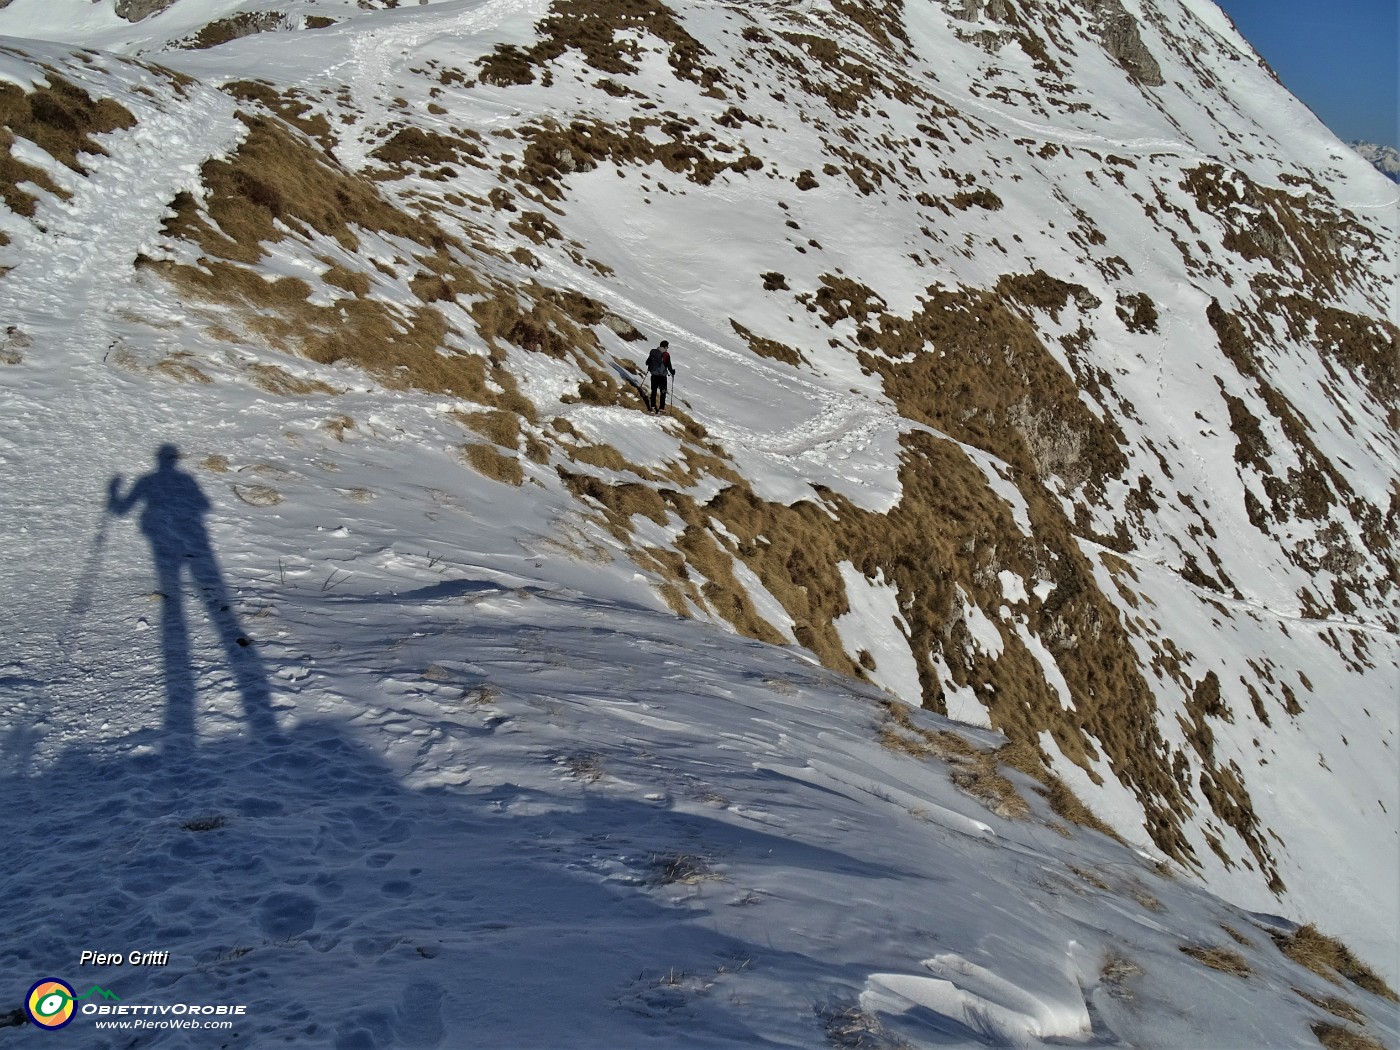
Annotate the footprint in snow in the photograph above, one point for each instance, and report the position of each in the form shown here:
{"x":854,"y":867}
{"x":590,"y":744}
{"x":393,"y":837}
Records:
{"x":418,"y":1016}
{"x":284,"y":915}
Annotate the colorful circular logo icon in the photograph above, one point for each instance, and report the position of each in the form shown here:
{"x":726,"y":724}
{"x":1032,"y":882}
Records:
{"x":50,"y":1003}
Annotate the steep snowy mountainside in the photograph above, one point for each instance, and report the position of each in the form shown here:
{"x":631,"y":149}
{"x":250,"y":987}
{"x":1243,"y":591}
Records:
{"x":508,"y":801}
{"x":1037,"y":360}
{"x":146,"y":26}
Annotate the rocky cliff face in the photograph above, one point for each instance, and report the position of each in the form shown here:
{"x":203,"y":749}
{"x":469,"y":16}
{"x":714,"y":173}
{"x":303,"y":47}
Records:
{"x":1035,"y":365}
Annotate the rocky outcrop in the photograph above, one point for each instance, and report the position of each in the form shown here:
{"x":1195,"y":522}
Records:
{"x":971,"y":10}
{"x":136,"y":10}
{"x":1119,"y":32}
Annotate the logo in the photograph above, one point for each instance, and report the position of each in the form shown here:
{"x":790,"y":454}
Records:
{"x":50,"y":1003}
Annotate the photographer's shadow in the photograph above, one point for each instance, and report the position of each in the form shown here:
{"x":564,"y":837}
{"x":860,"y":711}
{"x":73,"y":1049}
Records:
{"x":172,"y":518}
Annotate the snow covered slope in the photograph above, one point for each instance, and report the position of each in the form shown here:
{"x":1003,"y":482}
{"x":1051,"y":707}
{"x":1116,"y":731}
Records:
{"x":1037,"y":366}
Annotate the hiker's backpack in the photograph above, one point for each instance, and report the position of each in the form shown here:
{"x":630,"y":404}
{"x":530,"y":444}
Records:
{"x":657,"y":361}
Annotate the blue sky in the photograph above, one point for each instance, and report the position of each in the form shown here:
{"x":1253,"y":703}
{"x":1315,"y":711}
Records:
{"x":1338,"y":56}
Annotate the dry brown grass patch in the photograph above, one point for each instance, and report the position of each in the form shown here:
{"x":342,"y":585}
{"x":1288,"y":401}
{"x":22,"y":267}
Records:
{"x":278,"y":175}
{"x":424,"y":148}
{"x":288,"y":106}
{"x":277,"y":380}
{"x":1329,"y":958}
{"x":1063,"y":802}
{"x":974,"y":771}
{"x":1285,"y":229}
{"x":618,"y":501}
{"x":592,"y":28}
{"x":1137,"y":311}
{"x":797,"y":564}
{"x":488,"y":460}
{"x":1087,"y":876}
{"x":982,"y":198}
{"x":338,"y":425}
{"x":722,"y":589}
{"x":1147,"y":900}
{"x":500,"y":428}
{"x":61,"y":119}
{"x":990,"y":381}
{"x":1335,"y":1006}
{"x":1367,"y":347}
{"x":677,"y":588}
{"x":356,"y":283}
{"x":1340,"y":1037}
{"x":606,"y":457}
{"x":769,"y":348}
{"x":541,"y":324}
{"x":401,"y":347}
{"x":13,"y":172}
{"x":556,"y":151}
{"x":684,"y":868}
{"x":1222,"y":959}
{"x":1236,"y":936}
{"x":258,"y":495}
{"x":177,"y":367}
{"x":1115,"y":974}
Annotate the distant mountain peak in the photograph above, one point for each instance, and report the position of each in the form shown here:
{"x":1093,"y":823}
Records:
{"x":1385,"y":159}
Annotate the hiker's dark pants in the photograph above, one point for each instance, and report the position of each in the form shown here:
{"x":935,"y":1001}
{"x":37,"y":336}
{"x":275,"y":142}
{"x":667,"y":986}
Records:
{"x":657,"y":399}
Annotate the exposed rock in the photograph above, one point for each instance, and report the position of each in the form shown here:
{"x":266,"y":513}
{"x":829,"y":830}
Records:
{"x":971,"y":10}
{"x":1119,"y":31}
{"x":245,"y":23}
{"x":135,"y":10}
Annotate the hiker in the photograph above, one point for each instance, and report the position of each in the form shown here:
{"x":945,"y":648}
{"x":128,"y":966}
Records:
{"x":659,"y":366}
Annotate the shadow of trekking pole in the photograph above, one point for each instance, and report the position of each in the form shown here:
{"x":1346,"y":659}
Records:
{"x":81,"y":602}
{"x":23,"y":741}
{"x":630,"y":378}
